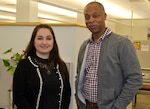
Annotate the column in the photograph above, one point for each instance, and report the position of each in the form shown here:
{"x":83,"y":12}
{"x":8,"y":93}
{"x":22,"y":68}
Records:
{"x":80,"y":18}
{"x":26,"y":11}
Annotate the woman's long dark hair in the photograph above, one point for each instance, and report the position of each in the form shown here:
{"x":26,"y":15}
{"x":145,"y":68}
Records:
{"x":54,"y":57}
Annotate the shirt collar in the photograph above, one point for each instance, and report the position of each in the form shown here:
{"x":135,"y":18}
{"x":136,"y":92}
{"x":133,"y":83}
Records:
{"x":106,"y":33}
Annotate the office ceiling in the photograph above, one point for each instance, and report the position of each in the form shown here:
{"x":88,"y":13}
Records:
{"x":141,"y":8}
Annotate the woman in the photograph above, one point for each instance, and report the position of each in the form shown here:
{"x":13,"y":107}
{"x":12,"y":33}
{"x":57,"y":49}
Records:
{"x":41,"y":80}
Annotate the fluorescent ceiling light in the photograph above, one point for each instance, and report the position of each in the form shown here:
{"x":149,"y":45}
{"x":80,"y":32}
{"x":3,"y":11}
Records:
{"x":111,"y":8}
{"x":57,"y":10}
{"x":7,"y":17}
{"x":114,"y":9}
{"x":84,"y":1}
{"x":49,"y":21}
{"x":118,"y":11}
{"x":46,"y":16}
{"x":10,"y":1}
{"x":8,"y":9}
{"x":52,"y":18}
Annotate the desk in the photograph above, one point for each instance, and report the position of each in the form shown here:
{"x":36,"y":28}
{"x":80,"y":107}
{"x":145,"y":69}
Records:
{"x":146,"y":84}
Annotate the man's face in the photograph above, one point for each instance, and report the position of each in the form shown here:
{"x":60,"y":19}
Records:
{"x":95,"y":18}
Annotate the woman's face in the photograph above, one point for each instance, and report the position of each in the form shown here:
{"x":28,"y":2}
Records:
{"x":43,"y":43}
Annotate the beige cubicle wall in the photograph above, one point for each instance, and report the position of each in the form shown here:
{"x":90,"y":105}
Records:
{"x":136,"y":29}
{"x":5,"y":85}
{"x":143,"y":52}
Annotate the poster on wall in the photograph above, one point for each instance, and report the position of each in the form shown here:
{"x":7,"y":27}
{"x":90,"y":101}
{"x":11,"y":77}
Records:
{"x":144,"y":47}
{"x":137,"y":45}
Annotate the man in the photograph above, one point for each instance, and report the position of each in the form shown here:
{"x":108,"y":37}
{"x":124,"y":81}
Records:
{"x":108,"y":70}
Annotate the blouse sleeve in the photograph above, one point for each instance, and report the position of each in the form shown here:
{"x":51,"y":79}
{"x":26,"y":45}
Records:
{"x":19,"y":98}
{"x":66,"y":92}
